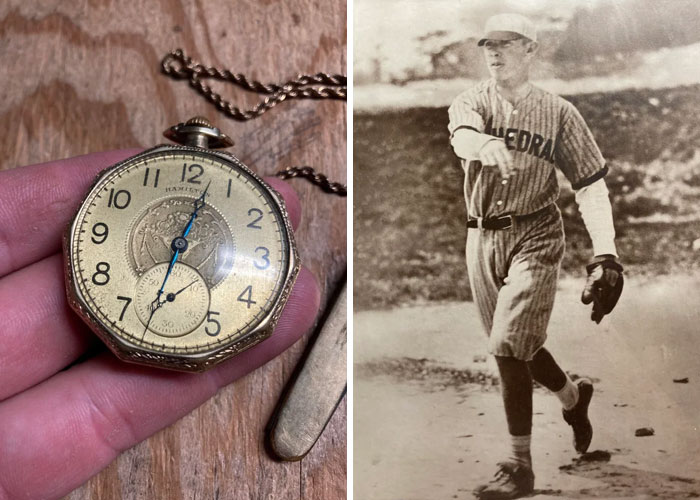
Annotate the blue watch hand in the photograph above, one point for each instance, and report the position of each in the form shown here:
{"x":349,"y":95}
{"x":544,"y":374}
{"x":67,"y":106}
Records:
{"x":167,"y":274}
{"x":179,"y":245}
{"x":198,"y":204}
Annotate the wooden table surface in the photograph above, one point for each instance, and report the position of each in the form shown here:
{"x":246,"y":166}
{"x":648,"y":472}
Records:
{"x":84,"y":76}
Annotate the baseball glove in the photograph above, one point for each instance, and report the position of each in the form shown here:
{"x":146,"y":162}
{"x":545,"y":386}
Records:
{"x":603,"y":286}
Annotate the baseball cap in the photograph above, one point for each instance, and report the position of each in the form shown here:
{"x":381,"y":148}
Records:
{"x":508,"y":27}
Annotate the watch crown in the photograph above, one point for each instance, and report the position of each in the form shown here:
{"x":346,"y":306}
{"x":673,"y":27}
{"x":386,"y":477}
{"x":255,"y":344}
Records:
{"x":199,"y":121}
{"x":198,"y":131}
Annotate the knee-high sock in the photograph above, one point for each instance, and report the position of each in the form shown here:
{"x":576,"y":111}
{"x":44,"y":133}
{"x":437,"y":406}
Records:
{"x":516,"y":389}
{"x":547,"y":372}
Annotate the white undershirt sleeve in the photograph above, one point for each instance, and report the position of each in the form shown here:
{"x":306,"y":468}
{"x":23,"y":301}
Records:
{"x":467,"y":143}
{"x":594,"y":204}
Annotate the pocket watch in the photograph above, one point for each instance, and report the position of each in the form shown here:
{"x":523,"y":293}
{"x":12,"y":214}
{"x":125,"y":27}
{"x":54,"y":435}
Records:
{"x":180,"y":257}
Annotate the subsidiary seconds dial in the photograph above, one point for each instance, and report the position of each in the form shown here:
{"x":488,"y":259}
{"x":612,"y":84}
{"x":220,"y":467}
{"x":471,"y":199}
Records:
{"x":180,"y":251}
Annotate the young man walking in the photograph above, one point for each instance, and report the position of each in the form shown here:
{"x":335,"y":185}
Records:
{"x":511,"y":136}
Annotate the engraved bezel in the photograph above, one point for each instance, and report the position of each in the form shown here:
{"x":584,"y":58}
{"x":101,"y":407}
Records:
{"x":189,"y":362}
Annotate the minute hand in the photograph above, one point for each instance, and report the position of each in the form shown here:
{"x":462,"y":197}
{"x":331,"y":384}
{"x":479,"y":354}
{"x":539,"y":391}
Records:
{"x":198,"y":204}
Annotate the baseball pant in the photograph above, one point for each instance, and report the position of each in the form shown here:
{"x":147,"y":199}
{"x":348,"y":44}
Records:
{"x":513,"y":276}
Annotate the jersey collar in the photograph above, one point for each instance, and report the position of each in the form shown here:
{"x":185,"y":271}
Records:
{"x":524,"y":106}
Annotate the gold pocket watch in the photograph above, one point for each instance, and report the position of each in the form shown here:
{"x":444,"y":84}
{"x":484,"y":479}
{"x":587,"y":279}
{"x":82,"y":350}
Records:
{"x":181,"y":257}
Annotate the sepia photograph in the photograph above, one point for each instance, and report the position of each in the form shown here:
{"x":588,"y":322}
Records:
{"x":526,"y":249}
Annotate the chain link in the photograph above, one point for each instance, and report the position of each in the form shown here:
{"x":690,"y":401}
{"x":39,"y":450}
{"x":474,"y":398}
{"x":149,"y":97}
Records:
{"x":315,"y":178}
{"x":179,"y":66}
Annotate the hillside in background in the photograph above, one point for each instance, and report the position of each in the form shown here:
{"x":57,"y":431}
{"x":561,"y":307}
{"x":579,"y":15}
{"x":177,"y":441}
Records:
{"x":608,"y":38}
{"x":629,"y":26}
{"x":409,"y":211}
{"x":464,"y":59}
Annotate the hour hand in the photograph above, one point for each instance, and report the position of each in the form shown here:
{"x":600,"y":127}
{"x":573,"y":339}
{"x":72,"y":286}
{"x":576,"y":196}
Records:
{"x":156,"y":304}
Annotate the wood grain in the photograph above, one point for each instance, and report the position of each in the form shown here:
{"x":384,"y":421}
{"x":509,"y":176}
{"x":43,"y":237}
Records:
{"x":84,"y":76}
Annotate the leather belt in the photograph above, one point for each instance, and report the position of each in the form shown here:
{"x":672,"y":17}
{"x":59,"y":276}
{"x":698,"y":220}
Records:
{"x":503,"y":222}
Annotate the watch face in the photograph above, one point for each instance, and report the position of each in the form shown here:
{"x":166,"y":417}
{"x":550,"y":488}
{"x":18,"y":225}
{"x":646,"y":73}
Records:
{"x":182,"y":253}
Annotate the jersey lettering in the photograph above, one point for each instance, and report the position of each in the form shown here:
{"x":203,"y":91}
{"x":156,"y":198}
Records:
{"x":523,"y":141}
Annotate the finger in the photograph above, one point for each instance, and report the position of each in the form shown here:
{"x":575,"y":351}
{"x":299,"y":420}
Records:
{"x":505,"y":163}
{"x":508,"y":157}
{"x":55,"y":436}
{"x":37,"y":202}
{"x":40,"y":333}
{"x":505,"y":171}
{"x":290,"y":198}
{"x":487,"y":159}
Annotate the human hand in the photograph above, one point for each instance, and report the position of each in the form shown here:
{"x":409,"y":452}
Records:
{"x":495,"y":153}
{"x":61,"y":424}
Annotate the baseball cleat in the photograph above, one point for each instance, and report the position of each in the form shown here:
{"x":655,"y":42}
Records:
{"x":512,"y":480}
{"x":577,"y":417}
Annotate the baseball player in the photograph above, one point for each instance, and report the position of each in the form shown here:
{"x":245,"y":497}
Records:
{"x":511,"y":136}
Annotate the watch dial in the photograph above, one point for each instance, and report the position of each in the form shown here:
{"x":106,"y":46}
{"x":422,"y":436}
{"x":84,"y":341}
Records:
{"x":180,"y":252}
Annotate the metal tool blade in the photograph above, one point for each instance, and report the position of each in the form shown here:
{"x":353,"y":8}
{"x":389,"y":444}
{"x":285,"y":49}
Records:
{"x":317,"y":390}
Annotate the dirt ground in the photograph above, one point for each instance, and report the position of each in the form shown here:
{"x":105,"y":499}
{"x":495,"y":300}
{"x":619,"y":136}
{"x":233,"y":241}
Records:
{"x":428,"y":418}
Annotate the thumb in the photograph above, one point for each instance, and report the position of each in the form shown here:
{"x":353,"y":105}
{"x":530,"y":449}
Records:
{"x":589,"y":289}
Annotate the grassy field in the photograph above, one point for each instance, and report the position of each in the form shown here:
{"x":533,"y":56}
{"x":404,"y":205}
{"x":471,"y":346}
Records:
{"x":409,"y":213}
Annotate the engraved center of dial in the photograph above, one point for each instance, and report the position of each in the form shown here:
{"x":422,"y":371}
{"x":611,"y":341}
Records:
{"x":155,"y":234}
{"x":185,"y":300}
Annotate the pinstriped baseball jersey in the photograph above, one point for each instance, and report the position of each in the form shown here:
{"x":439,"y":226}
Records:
{"x":542,"y":131}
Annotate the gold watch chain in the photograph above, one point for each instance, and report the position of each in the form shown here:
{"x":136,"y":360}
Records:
{"x":178,"y":65}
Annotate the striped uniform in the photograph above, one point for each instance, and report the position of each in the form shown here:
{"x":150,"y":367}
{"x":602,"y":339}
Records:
{"x":513,"y":272}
